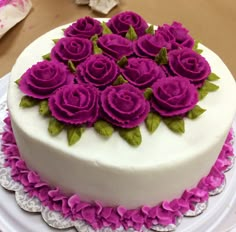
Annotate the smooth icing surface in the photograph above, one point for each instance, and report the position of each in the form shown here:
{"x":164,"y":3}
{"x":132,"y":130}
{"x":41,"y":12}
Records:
{"x":110,"y":170}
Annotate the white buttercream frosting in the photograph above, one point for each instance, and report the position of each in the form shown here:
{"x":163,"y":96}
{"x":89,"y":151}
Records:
{"x":110,"y":170}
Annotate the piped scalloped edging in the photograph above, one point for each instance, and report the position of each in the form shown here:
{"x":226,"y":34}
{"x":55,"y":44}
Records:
{"x":60,"y":211}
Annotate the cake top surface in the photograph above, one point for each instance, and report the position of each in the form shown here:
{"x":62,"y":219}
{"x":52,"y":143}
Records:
{"x":162,"y":148}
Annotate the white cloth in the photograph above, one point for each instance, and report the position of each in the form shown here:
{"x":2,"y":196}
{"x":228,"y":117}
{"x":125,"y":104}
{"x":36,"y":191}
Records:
{"x":12,"y":12}
{"x":102,"y":6}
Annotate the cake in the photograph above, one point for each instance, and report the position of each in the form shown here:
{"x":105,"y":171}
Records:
{"x":131,"y":173}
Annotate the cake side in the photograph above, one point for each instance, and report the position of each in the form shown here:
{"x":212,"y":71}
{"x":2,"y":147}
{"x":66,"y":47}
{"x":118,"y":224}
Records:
{"x":110,"y":170}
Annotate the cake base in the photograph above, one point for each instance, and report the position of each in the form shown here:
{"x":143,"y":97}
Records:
{"x":219,"y":207}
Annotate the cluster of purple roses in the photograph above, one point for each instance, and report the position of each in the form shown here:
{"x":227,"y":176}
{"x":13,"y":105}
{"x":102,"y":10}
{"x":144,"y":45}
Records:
{"x":89,"y":94}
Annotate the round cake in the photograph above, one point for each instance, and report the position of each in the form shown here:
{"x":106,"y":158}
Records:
{"x":110,"y":170}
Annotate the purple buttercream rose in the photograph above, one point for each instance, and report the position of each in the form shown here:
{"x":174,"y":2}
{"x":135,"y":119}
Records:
{"x":189,"y":64}
{"x":98,"y":70}
{"x":173,"y":96}
{"x":124,"y":105}
{"x":72,"y":48}
{"x":142,"y":72}
{"x":120,"y":23}
{"x":84,"y":28}
{"x":115,"y":46}
{"x":75,"y":104}
{"x":43,"y":78}
{"x":150,"y":45}
{"x":176,"y":34}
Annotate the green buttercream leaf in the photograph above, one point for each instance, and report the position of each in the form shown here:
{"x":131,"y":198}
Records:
{"x":152,"y":121}
{"x":150,"y":30}
{"x":175,"y":124}
{"x":131,"y":34}
{"x":162,"y":57}
{"x":71,"y":66}
{"x":47,"y":56}
{"x":195,"y":112}
{"x":55,"y":127}
{"x":104,"y":128}
{"x":74,"y":134}
{"x":63,"y":29}
{"x":132,"y":136}
{"x":202,"y":93}
{"x":106,"y":30}
{"x":96,"y":49}
{"x":213,"y":77}
{"x":195,"y":47}
{"x":55,"y":40}
{"x":27,"y":102}
{"x":210,"y":87}
{"x":44,"y":108}
{"x":148,"y":93}
{"x":122,"y":62}
{"x":119,"y":80}
{"x":18,"y":81}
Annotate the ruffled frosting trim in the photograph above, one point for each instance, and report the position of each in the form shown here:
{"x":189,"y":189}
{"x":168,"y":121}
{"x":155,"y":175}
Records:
{"x":98,"y":216}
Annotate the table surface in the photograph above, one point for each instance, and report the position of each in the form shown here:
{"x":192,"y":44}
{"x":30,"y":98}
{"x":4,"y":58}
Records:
{"x":212,"y":22}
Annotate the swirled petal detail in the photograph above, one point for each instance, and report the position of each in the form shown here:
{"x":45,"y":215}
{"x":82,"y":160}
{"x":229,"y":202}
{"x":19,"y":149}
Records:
{"x":98,"y":70}
{"x":84,"y":28}
{"x":43,"y":78}
{"x":120,"y":23}
{"x":75,"y":104}
{"x":124,"y":106}
{"x":173,"y":96}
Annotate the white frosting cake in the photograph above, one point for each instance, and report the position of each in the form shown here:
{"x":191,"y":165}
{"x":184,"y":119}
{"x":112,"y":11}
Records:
{"x":110,"y":170}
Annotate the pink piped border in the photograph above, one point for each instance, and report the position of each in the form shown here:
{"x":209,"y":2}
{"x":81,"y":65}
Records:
{"x":98,"y":216}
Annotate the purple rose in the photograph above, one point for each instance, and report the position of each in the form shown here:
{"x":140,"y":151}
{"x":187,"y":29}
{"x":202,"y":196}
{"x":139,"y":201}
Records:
{"x":142,"y":72}
{"x":120,"y":23}
{"x":115,"y":46}
{"x":150,"y":45}
{"x":98,"y":70}
{"x":72,"y":48}
{"x":84,"y":28}
{"x":173,"y":96}
{"x":75,"y":104}
{"x":189,"y":64}
{"x":124,"y":106}
{"x":43,"y":78}
{"x":177,"y":34}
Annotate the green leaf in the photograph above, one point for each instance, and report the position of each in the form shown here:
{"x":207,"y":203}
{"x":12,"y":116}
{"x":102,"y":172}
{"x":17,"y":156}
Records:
{"x":46,"y":56}
{"x":96,"y":49}
{"x":104,"y":128}
{"x":106,"y":30}
{"x":202,"y":93}
{"x":18,"y":81}
{"x":195,"y":47}
{"x":131,"y":34}
{"x":132,"y":136}
{"x":119,"y":80}
{"x":55,"y":40}
{"x":152,"y":121}
{"x":55,"y":127}
{"x":122,"y":62}
{"x":148,"y":93}
{"x":150,"y":30}
{"x":74,"y":134}
{"x":44,"y":108}
{"x":27,"y":102}
{"x":176,"y":124}
{"x":209,"y":87}
{"x":162,"y":57}
{"x":195,"y":112}
{"x":213,"y":77}
{"x":63,"y":29}
{"x":71,"y":66}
